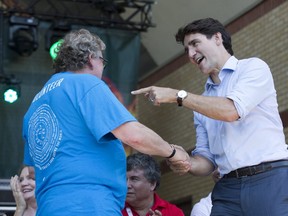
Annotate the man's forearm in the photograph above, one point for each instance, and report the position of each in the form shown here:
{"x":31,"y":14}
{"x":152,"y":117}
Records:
{"x":219,"y":108}
{"x":200,"y":166}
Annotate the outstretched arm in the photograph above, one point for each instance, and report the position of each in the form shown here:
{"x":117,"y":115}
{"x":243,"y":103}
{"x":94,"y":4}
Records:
{"x":219,"y":108}
{"x":196,"y":165}
{"x":145,"y":140}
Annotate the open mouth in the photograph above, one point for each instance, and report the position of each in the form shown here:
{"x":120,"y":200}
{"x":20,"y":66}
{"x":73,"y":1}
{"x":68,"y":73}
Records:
{"x":199,"y":59}
{"x":26,"y":190}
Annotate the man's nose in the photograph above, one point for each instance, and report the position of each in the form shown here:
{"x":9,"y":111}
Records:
{"x":128,"y":183}
{"x":191,"y":53}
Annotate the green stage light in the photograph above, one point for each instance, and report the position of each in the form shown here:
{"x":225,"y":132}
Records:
{"x":12,"y":87}
{"x":54,"y":49}
{"x":11,"y":95}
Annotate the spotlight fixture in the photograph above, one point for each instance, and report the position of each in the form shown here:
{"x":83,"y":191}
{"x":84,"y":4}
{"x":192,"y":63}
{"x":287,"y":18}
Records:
{"x":11,"y":94}
{"x":12,"y":89}
{"x":54,"y":36}
{"x":54,"y":49}
{"x":23,"y":36}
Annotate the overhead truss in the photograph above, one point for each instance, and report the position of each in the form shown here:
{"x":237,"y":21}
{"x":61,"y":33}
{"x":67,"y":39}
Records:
{"x":135,"y":15}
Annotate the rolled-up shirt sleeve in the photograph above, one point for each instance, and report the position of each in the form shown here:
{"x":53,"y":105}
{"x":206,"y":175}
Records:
{"x":253,"y":85}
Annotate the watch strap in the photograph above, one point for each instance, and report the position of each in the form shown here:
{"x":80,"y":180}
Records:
{"x":179,"y":101}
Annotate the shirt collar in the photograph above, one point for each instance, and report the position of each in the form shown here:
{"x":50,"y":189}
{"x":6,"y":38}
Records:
{"x":229,"y":66}
{"x":158,"y":203}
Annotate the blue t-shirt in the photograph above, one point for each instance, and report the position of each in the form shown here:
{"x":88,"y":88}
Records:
{"x":80,"y":166}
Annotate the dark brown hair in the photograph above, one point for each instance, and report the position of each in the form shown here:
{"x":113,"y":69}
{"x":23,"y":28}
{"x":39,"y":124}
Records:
{"x":208,"y":27}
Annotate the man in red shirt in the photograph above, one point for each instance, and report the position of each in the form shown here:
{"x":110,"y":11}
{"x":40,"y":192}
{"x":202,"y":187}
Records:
{"x":143,"y":177}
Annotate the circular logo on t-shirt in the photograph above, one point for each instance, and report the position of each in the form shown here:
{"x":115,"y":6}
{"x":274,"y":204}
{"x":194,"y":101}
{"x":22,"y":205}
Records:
{"x":44,"y":136}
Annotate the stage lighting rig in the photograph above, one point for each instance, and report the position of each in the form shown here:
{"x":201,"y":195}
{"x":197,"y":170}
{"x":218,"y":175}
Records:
{"x":133,"y":15}
{"x":23,"y":35}
{"x":54,"y":36}
{"x":12,"y":88}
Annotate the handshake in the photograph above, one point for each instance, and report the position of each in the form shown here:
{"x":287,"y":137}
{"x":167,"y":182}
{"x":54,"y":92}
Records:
{"x":180,"y":162}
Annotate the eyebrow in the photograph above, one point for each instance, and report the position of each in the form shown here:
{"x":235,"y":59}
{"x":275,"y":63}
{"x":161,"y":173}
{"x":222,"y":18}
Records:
{"x":190,"y":43}
{"x":193,"y":41}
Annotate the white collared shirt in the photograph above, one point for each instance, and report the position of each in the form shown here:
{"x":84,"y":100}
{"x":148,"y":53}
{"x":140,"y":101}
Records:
{"x":258,"y":134}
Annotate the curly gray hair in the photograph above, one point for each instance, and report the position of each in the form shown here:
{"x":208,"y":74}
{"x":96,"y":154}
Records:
{"x":74,"y":51}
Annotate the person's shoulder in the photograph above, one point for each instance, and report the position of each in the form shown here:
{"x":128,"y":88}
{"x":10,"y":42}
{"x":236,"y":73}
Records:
{"x":173,"y":209}
{"x":170,"y":208}
{"x":81,"y":76}
{"x":253,"y":60}
{"x":76,"y":79}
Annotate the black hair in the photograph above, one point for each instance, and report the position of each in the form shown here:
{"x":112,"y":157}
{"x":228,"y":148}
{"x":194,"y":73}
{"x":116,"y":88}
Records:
{"x":208,"y":27}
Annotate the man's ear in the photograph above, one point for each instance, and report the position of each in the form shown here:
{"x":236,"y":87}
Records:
{"x":90,"y":59}
{"x":218,"y":38}
{"x":153,"y":186}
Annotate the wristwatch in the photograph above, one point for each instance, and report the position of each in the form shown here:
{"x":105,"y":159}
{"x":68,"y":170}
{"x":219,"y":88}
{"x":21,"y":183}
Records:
{"x":181,"y":95}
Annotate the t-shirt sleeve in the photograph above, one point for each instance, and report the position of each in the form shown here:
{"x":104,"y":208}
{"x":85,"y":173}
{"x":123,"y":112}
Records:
{"x":103,"y":112}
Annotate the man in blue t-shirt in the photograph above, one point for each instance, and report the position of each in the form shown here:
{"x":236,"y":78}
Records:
{"x":72,"y":133}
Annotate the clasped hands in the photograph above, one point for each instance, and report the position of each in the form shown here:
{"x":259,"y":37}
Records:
{"x":180,"y":163}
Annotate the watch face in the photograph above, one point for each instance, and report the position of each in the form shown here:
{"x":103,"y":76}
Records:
{"x":182,"y":94}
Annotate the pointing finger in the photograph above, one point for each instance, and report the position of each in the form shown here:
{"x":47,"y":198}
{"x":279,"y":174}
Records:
{"x":141,"y":91}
